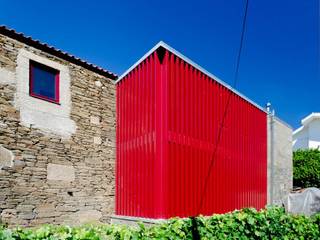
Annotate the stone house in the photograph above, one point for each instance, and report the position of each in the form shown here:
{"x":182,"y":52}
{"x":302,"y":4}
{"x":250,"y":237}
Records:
{"x":57,"y":135}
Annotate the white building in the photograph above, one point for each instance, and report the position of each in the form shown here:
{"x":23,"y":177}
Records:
{"x":308,"y":135}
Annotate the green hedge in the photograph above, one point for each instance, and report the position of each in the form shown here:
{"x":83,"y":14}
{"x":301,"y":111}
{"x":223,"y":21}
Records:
{"x":271,"y":223}
{"x":306,"y":168}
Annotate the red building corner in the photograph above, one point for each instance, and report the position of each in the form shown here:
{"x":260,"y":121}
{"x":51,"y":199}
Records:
{"x":171,"y":160}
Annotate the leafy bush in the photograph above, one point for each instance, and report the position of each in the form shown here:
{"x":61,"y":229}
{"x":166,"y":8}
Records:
{"x":306,"y":168}
{"x":271,"y":223}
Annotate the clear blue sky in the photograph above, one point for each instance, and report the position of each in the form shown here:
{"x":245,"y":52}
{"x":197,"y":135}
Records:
{"x":280,"y":61}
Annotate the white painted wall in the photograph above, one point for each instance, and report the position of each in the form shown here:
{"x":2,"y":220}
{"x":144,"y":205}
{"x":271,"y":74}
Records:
{"x":301,"y":139}
{"x":308,"y":135}
{"x":47,"y":116}
{"x":314,"y":134}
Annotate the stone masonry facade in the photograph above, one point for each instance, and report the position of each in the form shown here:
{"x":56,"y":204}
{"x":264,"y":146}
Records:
{"x":47,"y":176}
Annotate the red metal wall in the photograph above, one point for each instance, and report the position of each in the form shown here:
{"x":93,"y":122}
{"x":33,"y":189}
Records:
{"x":136,"y":173}
{"x":169,"y":159}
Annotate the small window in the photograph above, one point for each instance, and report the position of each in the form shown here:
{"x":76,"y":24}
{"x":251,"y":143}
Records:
{"x":44,"y":82}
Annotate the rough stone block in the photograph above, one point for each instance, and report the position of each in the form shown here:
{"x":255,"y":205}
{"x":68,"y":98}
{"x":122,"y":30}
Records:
{"x":87,"y":216}
{"x":8,"y":214}
{"x":98,"y":83}
{"x":6,"y":76}
{"x":46,"y":210}
{"x":97,"y":140}
{"x":25,"y":208}
{"x":18,"y":165}
{"x":6,"y":157}
{"x":59,"y":172}
{"x":95,"y":120}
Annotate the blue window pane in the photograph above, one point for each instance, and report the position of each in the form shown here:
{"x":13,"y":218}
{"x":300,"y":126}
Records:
{"x":44,"y":82}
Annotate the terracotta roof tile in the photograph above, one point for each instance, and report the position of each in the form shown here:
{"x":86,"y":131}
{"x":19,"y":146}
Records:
{"x":55,"y":51}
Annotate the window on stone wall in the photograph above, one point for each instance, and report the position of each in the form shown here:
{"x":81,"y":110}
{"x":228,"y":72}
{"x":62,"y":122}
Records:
{"x":44,"y":82}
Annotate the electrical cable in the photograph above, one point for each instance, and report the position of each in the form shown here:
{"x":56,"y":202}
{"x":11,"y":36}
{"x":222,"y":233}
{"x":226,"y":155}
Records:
{"x":236,"y":76}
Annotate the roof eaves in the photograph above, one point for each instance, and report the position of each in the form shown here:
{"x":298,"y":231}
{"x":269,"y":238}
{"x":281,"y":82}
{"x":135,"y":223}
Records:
{"x":310,"y":118}
{"x":56,"y":52}
{"x":298,"y":130}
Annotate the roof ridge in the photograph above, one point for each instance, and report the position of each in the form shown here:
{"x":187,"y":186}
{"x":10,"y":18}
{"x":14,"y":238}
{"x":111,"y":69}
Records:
{"x":192,"y":63}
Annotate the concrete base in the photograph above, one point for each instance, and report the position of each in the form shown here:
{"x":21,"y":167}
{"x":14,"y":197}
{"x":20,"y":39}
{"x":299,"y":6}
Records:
{"x":133,"y":221}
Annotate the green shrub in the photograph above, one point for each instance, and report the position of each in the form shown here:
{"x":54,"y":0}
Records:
{"x":270,"y":223}
{"x":306,"y":168}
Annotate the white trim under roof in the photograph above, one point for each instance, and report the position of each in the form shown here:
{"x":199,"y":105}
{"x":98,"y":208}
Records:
{"x":310,"y":117}
{"x":187,"y":60}
{"x":298,"y":130}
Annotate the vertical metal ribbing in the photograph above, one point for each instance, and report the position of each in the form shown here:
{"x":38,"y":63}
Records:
{"x":161,"y":132}
{"x":170,"y":109}
{"x":165,"y":122}
{"x":140,"y":133}
{"x":123,"y":145}
{"x":117,"y":153}
{"x":202,"y":115}
{"x":148,"y":159}
{"x":158,"y":145}
{"x":168,"y":118}
{"x":117,"y":180}
{"x":119,"y":147}
{"x":124,"y":126}
{"x":135,"y":161}
{"x":131,"y":140}
{"x":134,"y":145}
{"x":148,"y":148}
{"x":129,"y":157}
{"x":140,"y":157}
{"x":151,"y":180}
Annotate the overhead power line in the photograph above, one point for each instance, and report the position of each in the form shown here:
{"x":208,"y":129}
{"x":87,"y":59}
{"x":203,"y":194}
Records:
{"x":225,"y":113}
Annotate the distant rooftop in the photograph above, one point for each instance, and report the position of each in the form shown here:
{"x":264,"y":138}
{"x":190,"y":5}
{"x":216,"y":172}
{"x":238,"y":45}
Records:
{"x":305,"y":121}
{"x":309,"y":118}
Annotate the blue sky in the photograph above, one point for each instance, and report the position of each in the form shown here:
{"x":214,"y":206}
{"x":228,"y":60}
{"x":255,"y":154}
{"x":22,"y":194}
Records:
{"x":280,"y":61}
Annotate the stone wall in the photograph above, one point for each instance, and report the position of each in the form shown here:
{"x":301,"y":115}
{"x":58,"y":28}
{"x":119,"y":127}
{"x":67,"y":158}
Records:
{"x":47,"y":176}
{"x":280,"y":178}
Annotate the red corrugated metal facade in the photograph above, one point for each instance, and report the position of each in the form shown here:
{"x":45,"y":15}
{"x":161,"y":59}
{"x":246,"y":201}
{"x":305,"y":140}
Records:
{"x":169,"y":159}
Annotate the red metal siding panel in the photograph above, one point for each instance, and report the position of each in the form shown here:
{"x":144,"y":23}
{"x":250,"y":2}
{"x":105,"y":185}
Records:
{"x":136,"y":165}
{"x":239,"y":167}
{"x":170,"y":158}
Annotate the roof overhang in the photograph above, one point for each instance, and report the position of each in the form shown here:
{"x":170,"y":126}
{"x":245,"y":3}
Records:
{"x":305,"y":122}
{"x":55,"y":52}
{"x":310,"y":118}
{"x":298,"y":130}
